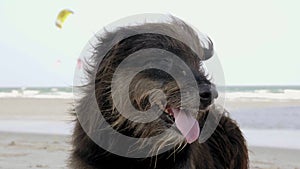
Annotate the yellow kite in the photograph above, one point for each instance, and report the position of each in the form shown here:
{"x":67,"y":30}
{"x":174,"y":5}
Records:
{"x":62,"y":16}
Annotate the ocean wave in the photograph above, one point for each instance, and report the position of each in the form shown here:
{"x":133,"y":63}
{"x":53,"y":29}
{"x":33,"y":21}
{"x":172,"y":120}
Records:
{"x":23,"y":93}
{"x":231,"y":93}
{"x":285,"y":94}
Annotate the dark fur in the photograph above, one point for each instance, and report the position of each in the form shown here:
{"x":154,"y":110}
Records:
{"x":225,"y":149}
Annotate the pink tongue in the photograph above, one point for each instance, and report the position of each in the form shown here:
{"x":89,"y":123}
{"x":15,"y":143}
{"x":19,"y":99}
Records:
{"x":187,"y":124}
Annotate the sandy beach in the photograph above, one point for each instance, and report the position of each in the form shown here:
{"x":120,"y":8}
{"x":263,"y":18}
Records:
{"x":36,"y":147}
{"x":23,"y":150}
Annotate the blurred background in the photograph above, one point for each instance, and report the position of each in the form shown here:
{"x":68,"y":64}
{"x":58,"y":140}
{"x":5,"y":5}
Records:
{"x":257,"y":44}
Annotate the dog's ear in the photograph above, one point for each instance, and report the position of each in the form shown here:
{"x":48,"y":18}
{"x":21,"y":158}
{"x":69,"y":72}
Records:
{"x":208,"y":48}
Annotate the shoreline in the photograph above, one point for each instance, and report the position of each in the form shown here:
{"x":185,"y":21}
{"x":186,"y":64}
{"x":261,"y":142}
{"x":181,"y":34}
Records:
{"x":288,"y":138}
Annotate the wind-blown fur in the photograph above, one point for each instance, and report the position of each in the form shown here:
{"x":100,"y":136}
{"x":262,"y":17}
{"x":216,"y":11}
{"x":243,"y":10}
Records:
{"x":225,"y":149}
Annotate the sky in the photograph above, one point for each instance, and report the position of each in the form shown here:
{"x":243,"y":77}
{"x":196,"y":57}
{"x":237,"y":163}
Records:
{"x":257,"y":41}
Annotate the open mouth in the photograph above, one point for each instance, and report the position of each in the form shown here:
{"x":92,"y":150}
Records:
{"x":169,"y":114}
{"x":184,"y":122}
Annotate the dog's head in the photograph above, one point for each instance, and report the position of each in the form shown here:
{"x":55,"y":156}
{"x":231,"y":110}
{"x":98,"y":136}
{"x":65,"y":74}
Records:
{"x":174,"y":101}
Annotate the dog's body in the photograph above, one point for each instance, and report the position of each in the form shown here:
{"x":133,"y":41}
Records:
{"x":225,"y":149}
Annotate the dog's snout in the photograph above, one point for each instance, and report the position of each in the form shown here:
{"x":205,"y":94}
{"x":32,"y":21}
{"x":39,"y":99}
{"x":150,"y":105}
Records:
{"x":207,"y":94}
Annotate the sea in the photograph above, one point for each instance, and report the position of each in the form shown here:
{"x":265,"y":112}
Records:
{"x":36,"y":92}
{"x":231,"y":92}
{"x":271,"y":126}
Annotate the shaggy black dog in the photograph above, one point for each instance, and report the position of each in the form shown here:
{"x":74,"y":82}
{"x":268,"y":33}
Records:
{"x":225,"y":149}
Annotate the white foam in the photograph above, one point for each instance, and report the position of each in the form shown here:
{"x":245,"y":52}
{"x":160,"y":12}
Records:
{"x":30,"y":92}
{"x":36,"y":94}
{"x":265,"y":94}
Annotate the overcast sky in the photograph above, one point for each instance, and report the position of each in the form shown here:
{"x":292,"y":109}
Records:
{"x":257,"y":41}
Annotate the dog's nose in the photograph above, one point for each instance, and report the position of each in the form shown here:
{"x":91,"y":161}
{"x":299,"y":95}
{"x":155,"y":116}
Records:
{"x":207,"y":94}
